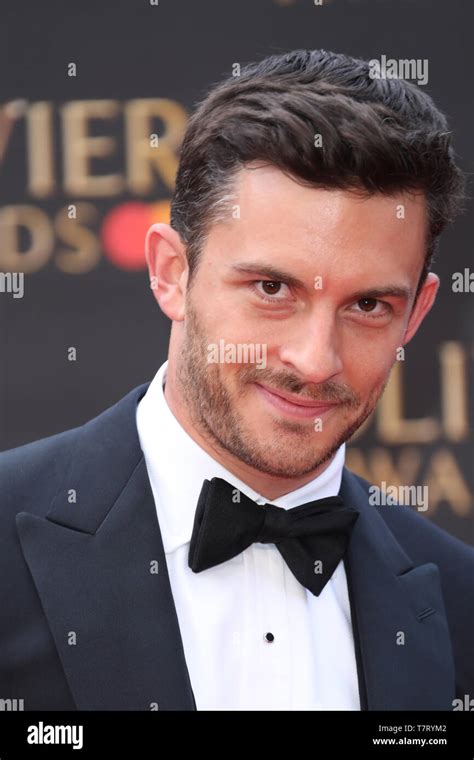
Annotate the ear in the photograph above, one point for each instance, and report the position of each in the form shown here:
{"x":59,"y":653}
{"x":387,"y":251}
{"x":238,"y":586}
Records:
{"x":167,"y":268}
{"x":425,"y":301}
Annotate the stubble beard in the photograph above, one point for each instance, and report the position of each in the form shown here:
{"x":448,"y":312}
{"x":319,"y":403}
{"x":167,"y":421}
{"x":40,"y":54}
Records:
{"x":215,"y":415}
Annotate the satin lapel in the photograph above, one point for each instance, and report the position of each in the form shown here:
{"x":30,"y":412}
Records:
{"x":100,"y":570}
{"x":405,"y":656}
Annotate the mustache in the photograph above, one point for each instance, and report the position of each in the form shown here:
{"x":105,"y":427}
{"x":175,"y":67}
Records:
{"x":321,"y":393}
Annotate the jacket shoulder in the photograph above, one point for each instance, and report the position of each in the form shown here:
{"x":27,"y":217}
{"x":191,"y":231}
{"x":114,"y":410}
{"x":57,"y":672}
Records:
{"x":29,"y":474}
{"x":421,"y":538}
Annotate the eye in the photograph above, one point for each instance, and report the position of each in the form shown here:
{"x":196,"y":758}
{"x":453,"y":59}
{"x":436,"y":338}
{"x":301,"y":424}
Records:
{"x":374,"y":308}
{"x":367,"y":304}
{"x":270,"y":290}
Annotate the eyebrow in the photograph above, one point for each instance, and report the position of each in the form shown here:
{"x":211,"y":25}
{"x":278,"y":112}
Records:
{"x":269,"y":271}
{"x":273,"y":273}
{"x":395,"y":291}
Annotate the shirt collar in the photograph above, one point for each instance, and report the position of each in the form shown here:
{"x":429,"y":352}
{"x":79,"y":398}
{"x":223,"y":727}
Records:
{"x":177,"y":467}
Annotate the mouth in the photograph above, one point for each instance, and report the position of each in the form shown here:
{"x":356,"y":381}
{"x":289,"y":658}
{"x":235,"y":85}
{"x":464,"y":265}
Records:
{"x":294,"y":406}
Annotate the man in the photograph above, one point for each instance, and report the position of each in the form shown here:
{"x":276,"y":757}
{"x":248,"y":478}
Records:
{"x":200,"y":545}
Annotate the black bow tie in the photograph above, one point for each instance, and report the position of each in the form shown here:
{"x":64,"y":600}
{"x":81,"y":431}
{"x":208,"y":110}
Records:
{"x":311,"y":538}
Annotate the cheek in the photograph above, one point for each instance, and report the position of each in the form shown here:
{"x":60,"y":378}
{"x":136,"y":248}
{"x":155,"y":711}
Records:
{"x":367,"y":363}
{"x":367,"y":373}
{"x":372,"y":347}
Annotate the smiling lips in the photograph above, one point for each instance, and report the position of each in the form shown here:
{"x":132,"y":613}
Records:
{"x":294,"y":405}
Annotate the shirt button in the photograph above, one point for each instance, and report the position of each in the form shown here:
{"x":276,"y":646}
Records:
{"x":269,"y":637}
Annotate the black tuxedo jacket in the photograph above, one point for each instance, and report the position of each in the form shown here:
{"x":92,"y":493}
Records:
{"x":85,"y":625}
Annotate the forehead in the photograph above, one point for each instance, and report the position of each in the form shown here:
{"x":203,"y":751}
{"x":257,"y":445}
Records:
{"x":277,"y":213}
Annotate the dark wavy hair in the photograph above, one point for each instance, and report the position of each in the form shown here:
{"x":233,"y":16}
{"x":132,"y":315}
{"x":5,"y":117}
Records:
{"x":378,"y":136}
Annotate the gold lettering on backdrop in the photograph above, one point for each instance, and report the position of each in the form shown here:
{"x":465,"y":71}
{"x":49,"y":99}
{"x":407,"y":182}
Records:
{"x":79,"y":147}
{"x":442,"y":476}
{"x":454,"y":392}
{"x":86,"y":246}
{"x":9,"y":114}
{"x":142,"y":157}
{"x":36,"y":222}
{"x":40,"y":149}
{"x":144,"y":160}
{"x":446,"y":483}
{"x":392,"y":427}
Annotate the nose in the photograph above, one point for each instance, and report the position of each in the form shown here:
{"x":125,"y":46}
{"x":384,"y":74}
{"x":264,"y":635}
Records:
{"x":312,"y":350}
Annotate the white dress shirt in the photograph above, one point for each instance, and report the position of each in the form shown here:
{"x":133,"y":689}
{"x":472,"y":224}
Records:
{"x":225,"y":612}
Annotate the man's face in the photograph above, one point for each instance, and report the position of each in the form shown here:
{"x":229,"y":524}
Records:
{"x":321,"y":283}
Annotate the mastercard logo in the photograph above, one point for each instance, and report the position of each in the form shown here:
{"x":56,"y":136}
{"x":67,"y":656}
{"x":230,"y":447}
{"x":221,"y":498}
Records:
{"x":124,"y":230}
